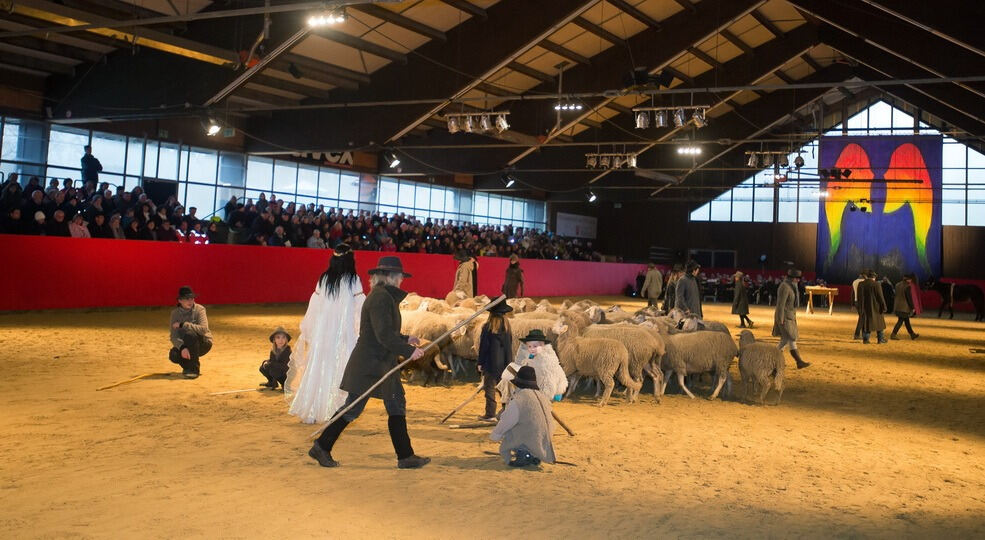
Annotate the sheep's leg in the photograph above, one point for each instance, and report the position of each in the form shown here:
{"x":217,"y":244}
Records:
{"x":762,"y":395}
{"x":680,"y":381}
{"x":609,"y":385}
{"x":663,"y":386}
{"x":718,"y":387}
{"x":572,"y":383}
{"x":779,"y":395}
{"x":598,"y":387}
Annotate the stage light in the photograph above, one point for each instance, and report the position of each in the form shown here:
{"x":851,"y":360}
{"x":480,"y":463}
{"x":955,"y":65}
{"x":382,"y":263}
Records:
{"x":591,"y":161}
{"x":689,"y":150}
{"x":846,"y":173}
{"x":642,"y":120}
{"x":616,"y":162}
{"x":631,"y":160}
{"x":798,"y":161}
{"x":784,"y":161}
{"x":660,"y":119}
{"x":501,"y":123}
{"x":294,"y":71}
{"x":699,"y":118}
{"x":852,"y":207}
{"x":484,"y":123}
{"x":326,"y":18}
{"x":604,"y":162}
{"x":509,"y":180}
{"x":591,"y":197}
{"x":213,"y":128}
{"x":391,"y":159}
{"x":767,"y":160}
{"x":453,"y":124}
{"x":467,"y":125}
{"x":753,"y":161}
{"x":679,"y":119}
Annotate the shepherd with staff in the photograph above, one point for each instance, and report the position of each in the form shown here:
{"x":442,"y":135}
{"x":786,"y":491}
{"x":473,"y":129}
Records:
{"x":376,"y":351}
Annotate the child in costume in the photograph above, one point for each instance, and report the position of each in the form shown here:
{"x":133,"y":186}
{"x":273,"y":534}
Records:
{"x":526,"y":426}
{"x":275,"y":367}
{"x":536,"y":352}
{"x":494,"y":355}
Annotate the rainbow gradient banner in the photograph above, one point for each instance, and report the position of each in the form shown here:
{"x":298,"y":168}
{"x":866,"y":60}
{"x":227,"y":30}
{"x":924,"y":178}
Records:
{"x":886,"y":214}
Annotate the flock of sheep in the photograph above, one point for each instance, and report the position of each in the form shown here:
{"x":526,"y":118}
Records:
{"x":599,"y":344}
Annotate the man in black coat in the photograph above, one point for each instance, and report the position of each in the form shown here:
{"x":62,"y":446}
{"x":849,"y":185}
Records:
{"x":90,"y":166}
{"x":688,"y":293}
{"x":377,"y":348}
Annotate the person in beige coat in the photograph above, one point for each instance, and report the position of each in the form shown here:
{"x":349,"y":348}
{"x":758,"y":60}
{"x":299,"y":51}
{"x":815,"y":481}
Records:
{"x":465,"y":275}
{"x":653,"y":285}
{"x":785,"y":316}
{"x":525,"y":427}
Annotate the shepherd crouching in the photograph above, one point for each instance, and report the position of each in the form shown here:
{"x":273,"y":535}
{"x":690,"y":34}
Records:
{"x":526,"y":426}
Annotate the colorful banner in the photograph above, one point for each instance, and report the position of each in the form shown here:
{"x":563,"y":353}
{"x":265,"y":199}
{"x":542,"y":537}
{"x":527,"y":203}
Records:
{"x":886,"y":214}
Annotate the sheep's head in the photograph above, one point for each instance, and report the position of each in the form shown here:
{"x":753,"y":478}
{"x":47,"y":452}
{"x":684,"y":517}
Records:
{"x":746,"y":338}
{"x":614,"y":309}
{"x":594,"y":314}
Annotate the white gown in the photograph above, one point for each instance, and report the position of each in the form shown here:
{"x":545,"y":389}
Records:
{"x":550,"y":376}
{"x":328,"y":335}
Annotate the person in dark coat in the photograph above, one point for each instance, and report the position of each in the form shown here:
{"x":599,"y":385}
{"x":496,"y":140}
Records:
{"x":191,"y":337}
{"x":888,"y":292}
{"x":377,"y":348}
{"x":903,"y":306}
{"x":98,"y":228}
{"x":785,"y":316}
{"x":670,"y":292}
{"x":495,"y":353}
{"x":90,"y":166}
{"x":871,"y":306}
{"x":275,"y":367}
{"x":688,"y":293}
{"x":57,"y":226}
{"x":513,"y":286}
{"x":740,"y":300}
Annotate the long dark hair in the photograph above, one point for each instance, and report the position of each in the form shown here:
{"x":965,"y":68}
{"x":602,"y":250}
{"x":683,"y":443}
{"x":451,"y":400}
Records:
{"x":342,"y":267}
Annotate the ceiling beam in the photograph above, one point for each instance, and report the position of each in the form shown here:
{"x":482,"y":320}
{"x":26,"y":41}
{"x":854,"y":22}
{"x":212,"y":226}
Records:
{"x":687,"y":5}
{"x":492,"y":89}
{"x":467,"y":7}
{"x":531,"y":72}
{"x":306,"y":62}
{"x":315,"y":74}
{"x":736,"y":40}
{"x":290,"y":86}
{"x":680,"y":75}
{"x":402,"y":21}
{"x":705,"y":57}
{"x":360,"y":44}
{"x":27,"y":58}
{"x":259,"y":96}
{"x":955,"y":22}
{"x":616,"y":106}
{"x":588,"y":25}
{"x":943,"y":112}
{"x":766,"y":23}
{"x":806,"y":57}
{"x":784,"y":77}
{"x":634,"y":12}
{"x":564,"y":52}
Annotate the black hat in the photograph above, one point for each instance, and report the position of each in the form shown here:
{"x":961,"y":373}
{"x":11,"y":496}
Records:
{"x":186,"y":292}
{"x":280,"y":330}
{"x":501,"y":308}
{"x":341,"y":249}
{"x":461,"y":255}
{"x":526,"y":377}
{"x":793,"y":272}
{"x":535,"y":335}
{"x":389,"y":264}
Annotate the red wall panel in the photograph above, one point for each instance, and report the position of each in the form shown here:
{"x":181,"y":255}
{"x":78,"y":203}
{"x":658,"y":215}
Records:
{"x":52,"y":273}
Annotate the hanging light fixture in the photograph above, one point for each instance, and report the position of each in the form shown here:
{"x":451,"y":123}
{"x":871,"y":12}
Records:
{"x":501,"y":123}
{"x":591,"y":161}
{"x":784,"y":161}
{"x":642,"y":120}
{"x":679,"y":119}
{"x":753,"y":161}
{"x":326,"y":18}
{"x":485,"y":124}
{"x":213,"y":128}
{"x":391,"y":159}
{"x":604,"y":161}
{"x":631,"y":160}
{"x":591,"y":197}
{"x":660,"y":119}
{"x":699,"y":118}
{"x":509,"y":180}
{"x":453,"y":124}
{"x":467,"y":125}
{"x":798,"y":161}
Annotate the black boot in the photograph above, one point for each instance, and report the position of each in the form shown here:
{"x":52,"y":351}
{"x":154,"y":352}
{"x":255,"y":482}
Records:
{"x":406,"y":459}
{"x":322,"y":449}
{"x":800,"y":362}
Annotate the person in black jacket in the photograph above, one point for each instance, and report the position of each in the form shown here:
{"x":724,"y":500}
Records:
{"x":275,"y":367}
{"x":495,"y":348}
{"x":98,"y":228}
{"x":90,"y":166}
{"x":58,"y":226}
{"x":688,"y":292}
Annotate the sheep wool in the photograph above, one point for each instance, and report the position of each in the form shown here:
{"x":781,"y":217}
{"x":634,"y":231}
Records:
{"x":761,"y":366}
{"x":599,"y":358}
{"x":550,"y":377}
{"x":698,"y":352}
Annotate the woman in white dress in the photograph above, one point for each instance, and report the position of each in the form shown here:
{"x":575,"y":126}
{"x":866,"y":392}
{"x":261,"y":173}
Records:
{"x":328,"y":335}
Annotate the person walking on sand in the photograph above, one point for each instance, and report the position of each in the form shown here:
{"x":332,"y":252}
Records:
{"x":653,"y":284}
{"x":465,"y":274}
{"x":190,"y":335}
{"x":871,"y":307}
{"x":513,"y":285}
{"x":377,"y":348}
{"x":328,"y":335}
{"x":785,"y":316}
{"x":740,"y":300}
{"x":903,"y":306}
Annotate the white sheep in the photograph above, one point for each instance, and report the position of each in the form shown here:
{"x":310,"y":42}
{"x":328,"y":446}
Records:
{"x":645,"y":349}
{"x":615,"y":314}
{"x":545,"y":306}
{"x":600,"y":358}
{"x":760,"y":366}
{"x":454,"y":297}
{"x":698,"y":352}
{"x":521,"y":305}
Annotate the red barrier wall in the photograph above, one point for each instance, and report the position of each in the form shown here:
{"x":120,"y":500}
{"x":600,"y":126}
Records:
{"x":53,"y":273}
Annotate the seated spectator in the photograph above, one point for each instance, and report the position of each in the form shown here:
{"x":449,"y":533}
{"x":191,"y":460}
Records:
{"x":116,"y":227}
{"x":58,"y":226}
{"x":77,"y":228}
{"x":132,"y":232}
{"x":277,"y":239}
{"x":315,"y":241}
{"x":182,"y":231}
{"x":37,"y":226}
{"x":149,"y":231}
{"x":166,"y":233}
{"x":98,"y":228}
{"x":12,"y":223}
{"x":196,"y":235}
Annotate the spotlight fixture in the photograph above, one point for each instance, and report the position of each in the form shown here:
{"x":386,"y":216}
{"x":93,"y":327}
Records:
{"x":631,"y":160}
{"x":611,"y":160}
{"x":753,"y":161}
{"x":478,"y":122}
{"x":699,"y":118}
{"x":642,"y":120}
{"x":679,"y":117}
{"x":509,"y":180}
{"x":660,"y":119}
{"x":501,"y":124}
{"x":784,"y":161}
{"x":485,"y":124}
{"x":823,"y":173}
{"x":798,"y":161}
{"x":591,"y":197}
{"x":845,"y":173}
{"x":213,"y":128}
{"x":568,"y":106}
{"x":453,"y":124}
{"x":294,"y":71}
{"x":467,"y":126}
{"x":689,"y":150}
{"x":591,"y":161}
{"x":768,"y":160}
{"x":604,"y":161}
{"x":326,"y":18}
{"x":391,"y":159}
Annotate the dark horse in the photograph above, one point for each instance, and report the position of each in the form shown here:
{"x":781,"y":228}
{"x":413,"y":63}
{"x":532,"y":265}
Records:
{"x":959,"y":293}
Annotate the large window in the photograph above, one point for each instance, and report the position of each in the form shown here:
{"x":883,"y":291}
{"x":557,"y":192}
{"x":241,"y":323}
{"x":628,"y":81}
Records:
{"x":206,"y":179}
{"x":963,"y":178}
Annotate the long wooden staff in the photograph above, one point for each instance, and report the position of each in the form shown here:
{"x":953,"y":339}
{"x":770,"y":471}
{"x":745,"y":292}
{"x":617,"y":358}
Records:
{"x":464,"y":403}
{"x":401,"y":365}
{"x":130,"y":380}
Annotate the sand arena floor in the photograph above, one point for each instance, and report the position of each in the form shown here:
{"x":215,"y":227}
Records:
{"x":872,"y":441}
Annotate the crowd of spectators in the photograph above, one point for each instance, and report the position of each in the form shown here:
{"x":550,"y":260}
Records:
{"x":84,"y":210}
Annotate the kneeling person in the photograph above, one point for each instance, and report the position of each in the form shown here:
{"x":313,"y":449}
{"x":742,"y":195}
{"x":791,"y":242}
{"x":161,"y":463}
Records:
{"x":526,"y":426}
{"x":275,"y":367}
{"x":190,"y":334}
